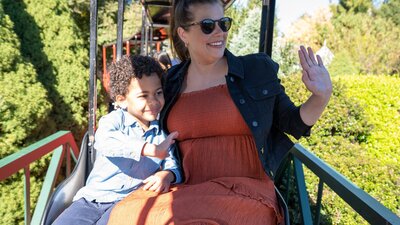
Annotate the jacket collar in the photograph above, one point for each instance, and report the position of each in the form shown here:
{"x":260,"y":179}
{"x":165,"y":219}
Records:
{"x":235,"y":67}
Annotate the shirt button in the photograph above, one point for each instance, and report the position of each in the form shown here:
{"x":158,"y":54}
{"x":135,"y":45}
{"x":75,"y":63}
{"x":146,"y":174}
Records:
{"x":232,"y":79}
{"x":254,"y":123}
{"x":265,"y":92}
{"x":242,"y":101}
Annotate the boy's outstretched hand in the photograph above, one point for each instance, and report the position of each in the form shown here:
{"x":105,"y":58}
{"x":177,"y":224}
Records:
{"x":160,"y":151}
{"x":159,"y":182}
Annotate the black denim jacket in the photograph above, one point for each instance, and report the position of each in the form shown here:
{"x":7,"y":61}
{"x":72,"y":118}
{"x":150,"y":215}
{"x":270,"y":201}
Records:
{"x":255,"y":88}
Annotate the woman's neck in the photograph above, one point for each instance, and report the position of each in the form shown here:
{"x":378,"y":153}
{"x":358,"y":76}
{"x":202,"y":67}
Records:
{"x":203,"y":76}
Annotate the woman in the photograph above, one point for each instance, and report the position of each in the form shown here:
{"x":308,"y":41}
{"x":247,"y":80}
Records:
{"x":231,"y":114}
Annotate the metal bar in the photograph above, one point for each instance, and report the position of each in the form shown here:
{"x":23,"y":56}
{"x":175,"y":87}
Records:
{"x":128,"y":48}
{"x":120,"y":27}
{"x":48,"y":184}
{"x":146,"y":39}
{"x":114,"y":56}
{"x":150,"y":38}
{"x":267,"y":26}
{"x":68,"y":159}
{"x":13,"y":163}
{"x":104,"y":60}
{"x":364,"y":204}
{"x":302,"y":192}
{"x":27,"y":194}
{"x":319,"y":200}
{"x":142,"y":34}
{"x":92,"y":76}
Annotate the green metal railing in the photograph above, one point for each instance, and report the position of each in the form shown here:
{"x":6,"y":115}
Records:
{"x":63,"y":145}
{"x":364,"y":204}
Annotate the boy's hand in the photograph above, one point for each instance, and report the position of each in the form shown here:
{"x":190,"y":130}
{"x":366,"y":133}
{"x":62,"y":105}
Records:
{"x":160,"y":151}
{"x":159,"y":182}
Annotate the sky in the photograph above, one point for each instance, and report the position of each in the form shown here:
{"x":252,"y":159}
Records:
{"x":289,"y":11}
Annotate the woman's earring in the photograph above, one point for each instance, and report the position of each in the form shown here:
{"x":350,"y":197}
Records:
{"x":186,"y":44}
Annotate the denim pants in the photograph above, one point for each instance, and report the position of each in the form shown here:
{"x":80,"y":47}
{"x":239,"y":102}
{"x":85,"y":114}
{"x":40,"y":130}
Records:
{"x":83,"y":212}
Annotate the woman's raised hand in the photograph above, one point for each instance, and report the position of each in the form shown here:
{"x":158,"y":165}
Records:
{"x":315,"y":76}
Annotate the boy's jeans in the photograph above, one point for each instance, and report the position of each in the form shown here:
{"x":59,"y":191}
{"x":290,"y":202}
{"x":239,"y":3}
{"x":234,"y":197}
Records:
{"x":83,"y":212}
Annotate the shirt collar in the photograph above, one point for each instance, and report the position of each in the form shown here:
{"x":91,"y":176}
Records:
{"x":131,"y":121}
{"x":154,"y":125}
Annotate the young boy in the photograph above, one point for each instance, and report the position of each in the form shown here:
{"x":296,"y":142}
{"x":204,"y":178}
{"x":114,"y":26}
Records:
{"x":131,"y":148}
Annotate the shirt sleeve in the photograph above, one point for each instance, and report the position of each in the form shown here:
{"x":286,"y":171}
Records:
{"x":170,"y":163}
{"x":110,"y":140}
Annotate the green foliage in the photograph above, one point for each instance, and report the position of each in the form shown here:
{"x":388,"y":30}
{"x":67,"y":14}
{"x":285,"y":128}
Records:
{"x":24,"y":110}
{"x":107,"y":29}
{"x":391,"y":11}
{"x":380,"y":96}
{"x":359,"y":136}
{"x":287,"y":58}
{"x":343,"y":117}
{"x":362,"y":37}
{"x":343,"y":63}
{"x":355,"y":6}
{"x":247,"y":38}
{"x":368,"y":41}
{"x":50,"y":41}
{"x":23,"y":104}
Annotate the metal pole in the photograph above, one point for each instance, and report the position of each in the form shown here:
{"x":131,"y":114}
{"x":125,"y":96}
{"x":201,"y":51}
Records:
{"x":267,"y":26}
{"x":92,"y":79}
{"x":120,"y":27}
{"x":142,"y":34}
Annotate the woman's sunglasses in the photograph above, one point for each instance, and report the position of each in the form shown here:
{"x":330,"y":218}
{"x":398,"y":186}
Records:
{"x":208,"y":25}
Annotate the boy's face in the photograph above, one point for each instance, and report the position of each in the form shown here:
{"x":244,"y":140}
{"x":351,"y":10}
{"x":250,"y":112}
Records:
{"x":144,"y":99}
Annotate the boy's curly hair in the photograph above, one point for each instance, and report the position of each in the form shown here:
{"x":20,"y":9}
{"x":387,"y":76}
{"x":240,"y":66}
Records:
{"x":128,"y":67}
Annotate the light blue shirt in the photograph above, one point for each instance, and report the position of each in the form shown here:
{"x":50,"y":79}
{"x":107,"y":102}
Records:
{"x":120,"y":168}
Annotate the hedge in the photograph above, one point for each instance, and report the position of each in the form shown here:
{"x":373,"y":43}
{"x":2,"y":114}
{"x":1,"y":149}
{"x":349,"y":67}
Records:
{"x":358,"y":135}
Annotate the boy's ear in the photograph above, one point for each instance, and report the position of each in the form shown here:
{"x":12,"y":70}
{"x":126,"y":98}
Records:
{"x":120,"y":100}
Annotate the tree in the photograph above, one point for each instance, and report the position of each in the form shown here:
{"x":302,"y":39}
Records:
{"x":363,"y":37}
{"x":52,"y":43}
{"x":247,"y":39}
{"x":355,"y":6}
{"x":391,"y":11}
{"x":24,"y":110}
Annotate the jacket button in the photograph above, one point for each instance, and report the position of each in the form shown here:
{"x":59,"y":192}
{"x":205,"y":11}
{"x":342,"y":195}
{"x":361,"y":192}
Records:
{"x":265,"y":92}
{"x":242,"y":101}
{"x":232,"y":79}
{"x":254,"y":123}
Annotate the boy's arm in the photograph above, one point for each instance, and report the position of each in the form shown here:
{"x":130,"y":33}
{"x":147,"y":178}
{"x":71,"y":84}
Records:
{"x":171,"y":164}
{"x":111,"y":142}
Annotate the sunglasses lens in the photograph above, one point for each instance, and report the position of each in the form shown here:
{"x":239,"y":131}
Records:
{"x":225,"y":23}
{"x":207,"y":26}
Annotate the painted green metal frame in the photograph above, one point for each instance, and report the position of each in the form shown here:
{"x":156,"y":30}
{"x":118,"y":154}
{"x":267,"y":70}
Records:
{"x":364,"y":204}
{"x":62,"y":144}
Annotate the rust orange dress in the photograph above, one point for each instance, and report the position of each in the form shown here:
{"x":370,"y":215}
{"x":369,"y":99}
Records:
{"x":224,"y":180}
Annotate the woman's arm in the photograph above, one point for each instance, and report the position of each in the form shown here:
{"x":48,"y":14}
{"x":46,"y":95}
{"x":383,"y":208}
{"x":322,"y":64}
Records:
{"x":317,"y":80}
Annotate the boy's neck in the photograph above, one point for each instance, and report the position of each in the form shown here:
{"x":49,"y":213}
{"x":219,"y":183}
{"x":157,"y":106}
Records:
{"x":145,"y":127}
